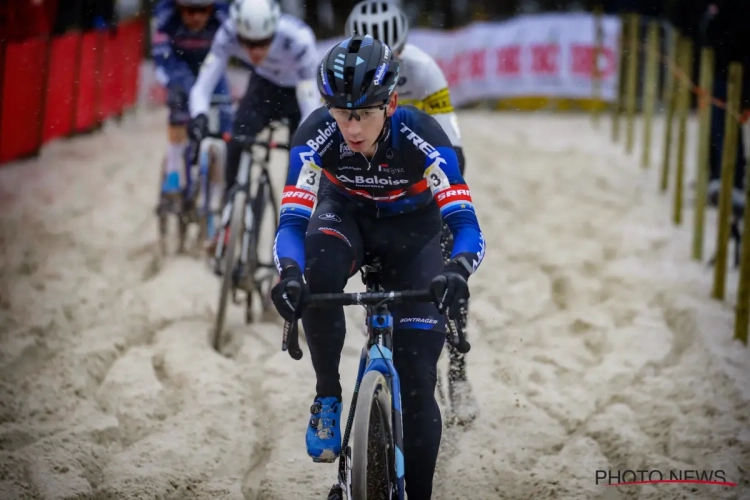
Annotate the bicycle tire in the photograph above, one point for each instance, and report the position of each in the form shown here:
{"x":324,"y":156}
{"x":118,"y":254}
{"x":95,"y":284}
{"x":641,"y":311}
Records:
{"x":373,"y":450}
{"x":260,"y":204}
{"x":235,"y":229}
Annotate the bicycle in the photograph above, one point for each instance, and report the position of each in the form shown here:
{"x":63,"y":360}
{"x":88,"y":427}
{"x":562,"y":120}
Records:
{"x":243,"y":214}
{"x":371,"y":468}
{"x":185,"y":204}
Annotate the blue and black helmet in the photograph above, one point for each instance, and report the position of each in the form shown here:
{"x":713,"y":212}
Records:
{"x":357,"y":73}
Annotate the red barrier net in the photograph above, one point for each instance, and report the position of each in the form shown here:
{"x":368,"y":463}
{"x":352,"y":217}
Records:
{"x":22,"y":94}
{"x":54,"y":87}
{"x":61,"y":81}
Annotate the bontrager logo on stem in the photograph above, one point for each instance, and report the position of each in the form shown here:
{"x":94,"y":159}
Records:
{"x":429,"y":321}
{"x":372,"y":181}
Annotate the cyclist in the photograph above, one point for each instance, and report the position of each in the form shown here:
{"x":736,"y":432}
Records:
{"x":384,"y":178}
{"x":184,"y":31}
{"x":421,"y":83}
{"x":282,"y":54}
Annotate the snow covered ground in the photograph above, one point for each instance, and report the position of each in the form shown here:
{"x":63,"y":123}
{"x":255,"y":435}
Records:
{"x":595,"y":343}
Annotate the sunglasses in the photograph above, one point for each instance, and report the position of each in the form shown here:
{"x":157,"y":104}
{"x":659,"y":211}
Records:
{"x":255,"y":44}
{"x":195,"y":10}
{"x":366,"y":114}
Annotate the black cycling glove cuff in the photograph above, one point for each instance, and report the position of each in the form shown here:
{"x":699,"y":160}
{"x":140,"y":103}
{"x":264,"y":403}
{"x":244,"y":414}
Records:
{"x":291,"y":271}
{"x":456,"y":267}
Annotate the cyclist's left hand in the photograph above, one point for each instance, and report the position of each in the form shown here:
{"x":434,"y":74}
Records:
{"x":450,"y":291}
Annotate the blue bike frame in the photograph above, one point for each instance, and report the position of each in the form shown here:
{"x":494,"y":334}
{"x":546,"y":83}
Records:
{"x":380,"y":358}
{"x":377,"y":355}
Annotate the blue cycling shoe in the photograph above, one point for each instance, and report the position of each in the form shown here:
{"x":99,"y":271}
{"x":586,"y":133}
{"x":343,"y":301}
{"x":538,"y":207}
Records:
{"x":171,"y":183}
{"x":323,"y":436}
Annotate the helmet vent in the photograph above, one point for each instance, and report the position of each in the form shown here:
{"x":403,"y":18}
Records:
{"x":354,"y":46}
{"x":349,"y":79}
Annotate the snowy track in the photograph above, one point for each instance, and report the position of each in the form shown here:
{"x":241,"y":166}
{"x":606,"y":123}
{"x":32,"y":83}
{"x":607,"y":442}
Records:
{"x":595,"y":345}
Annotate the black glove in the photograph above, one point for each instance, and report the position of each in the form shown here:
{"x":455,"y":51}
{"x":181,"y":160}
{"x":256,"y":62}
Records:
{"x":289,"y":293}
{"x":450,"y":290}
{"x":198,"y":128}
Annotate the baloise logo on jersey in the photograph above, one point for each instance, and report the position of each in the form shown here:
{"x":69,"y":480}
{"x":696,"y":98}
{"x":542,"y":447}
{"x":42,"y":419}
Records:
{"x":323,"y":138}
{"x":374,"y":181}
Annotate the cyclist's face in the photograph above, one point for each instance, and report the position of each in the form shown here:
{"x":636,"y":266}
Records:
{"x":257,"y":50}
{"x":195,"y":18}
{"x":360,"y":135}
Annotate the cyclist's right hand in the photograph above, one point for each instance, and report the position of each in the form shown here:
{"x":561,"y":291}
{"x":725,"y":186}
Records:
{"x":289,"y":293}
{"x":198,"y":128}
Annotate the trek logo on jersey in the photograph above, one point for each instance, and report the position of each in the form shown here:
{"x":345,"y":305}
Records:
{"x":323,"y":136}
{"x":369,"y":181}
{"x":423,"y":146}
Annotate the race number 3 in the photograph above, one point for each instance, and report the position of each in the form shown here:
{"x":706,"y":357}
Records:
{"x":437,"y":179}
{"x":309,"y":177}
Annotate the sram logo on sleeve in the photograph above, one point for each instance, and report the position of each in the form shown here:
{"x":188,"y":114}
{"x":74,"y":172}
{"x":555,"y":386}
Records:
{"x":457,"y":193}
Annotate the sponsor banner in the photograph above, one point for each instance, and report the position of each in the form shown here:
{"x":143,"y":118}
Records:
{"x":545,"y":55}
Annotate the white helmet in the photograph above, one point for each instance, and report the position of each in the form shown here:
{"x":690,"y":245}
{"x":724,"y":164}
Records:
{"x":381,"y":19}
{"x":195,"y":3}
{"x":255,"y":19}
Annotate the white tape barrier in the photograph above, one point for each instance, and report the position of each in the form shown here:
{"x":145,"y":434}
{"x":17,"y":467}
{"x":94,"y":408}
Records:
{"x":545,"y":55}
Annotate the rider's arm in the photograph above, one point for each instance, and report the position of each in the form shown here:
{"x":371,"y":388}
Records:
{"x":436,"y":100}
{"x":306,"y":59}
{"x":212,"y":69}
{"x":448,"y":187}
{"x":299,"y":197}
{"x":169,"y":68}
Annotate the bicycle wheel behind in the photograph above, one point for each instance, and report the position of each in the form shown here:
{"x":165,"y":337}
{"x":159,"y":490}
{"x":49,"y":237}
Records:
{"x":373,"y":451}
{"x":235,"y":227}
{"x":266,"y":217}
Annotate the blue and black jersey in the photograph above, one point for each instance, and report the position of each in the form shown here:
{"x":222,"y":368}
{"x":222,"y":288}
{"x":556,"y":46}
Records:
{"x":414,"y":168}
{"x":178,"y":52}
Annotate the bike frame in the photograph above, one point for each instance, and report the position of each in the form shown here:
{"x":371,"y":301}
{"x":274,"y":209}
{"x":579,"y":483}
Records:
{"x":243,"y":182}
{"x":377,"y":355}
{"x":216,"y":102}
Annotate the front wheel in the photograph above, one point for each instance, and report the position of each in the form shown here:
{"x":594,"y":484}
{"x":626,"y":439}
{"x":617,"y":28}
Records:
{"x":373,"y":450}
{"x":227,"y":283}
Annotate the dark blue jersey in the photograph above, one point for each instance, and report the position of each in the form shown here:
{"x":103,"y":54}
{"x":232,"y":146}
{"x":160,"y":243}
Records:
{"x":414,"y":167}
{"x":178,"y":52}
